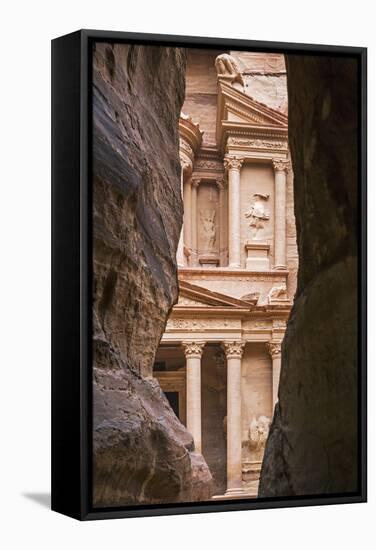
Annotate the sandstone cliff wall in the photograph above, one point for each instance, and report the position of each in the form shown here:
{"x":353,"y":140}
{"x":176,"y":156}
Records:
{"x":312,"y":447}
{"x":141,"y":451}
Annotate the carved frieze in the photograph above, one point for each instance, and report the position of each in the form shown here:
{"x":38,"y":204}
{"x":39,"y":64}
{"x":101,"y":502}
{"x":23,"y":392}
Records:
{"x":257,"y":325}
{"x":198,"y":324}
{"x":234,"y":349}
{"x":208,"y":165}
{"x":257,"y":143}
{"x":279,"y":323}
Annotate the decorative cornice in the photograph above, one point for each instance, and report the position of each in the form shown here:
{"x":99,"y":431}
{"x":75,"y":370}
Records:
{"x":232,"y":162}
{"x":281,"y":165}
{"x":234,"y":349}
{"x":189,"y":142}
{"x":224,"y":273}
{"x":193,"y":349}
{"x":190,"y":132}
{"x":274,"y":349}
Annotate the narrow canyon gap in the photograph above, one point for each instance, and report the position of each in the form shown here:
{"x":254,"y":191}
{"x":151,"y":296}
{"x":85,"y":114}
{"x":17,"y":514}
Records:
{"x":312,"y":446}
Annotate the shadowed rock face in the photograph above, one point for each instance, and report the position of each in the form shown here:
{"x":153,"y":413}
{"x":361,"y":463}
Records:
{"x":312,"y":446}
{"x":142,"y":453}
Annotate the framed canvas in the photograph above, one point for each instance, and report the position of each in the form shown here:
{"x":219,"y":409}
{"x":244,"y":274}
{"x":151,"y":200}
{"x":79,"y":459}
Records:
{"x":208,"y":274}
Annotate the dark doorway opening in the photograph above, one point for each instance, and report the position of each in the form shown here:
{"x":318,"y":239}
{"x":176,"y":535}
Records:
{"x":173,"y":399}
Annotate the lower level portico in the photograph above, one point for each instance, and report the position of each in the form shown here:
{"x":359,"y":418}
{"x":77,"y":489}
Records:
{"x":224,"y":390}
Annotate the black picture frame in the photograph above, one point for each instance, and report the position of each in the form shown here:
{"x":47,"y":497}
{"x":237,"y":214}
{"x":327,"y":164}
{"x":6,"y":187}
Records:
{"x":71,"y":275}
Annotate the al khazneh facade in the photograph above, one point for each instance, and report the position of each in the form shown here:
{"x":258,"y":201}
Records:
{"x":220,"y":356}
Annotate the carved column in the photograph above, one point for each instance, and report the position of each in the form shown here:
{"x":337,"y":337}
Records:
{"x":187,"y":198}
{"x":180,"y":250}
{"x":193,"y":353}
{"x":233,"y":166}
{"x":194,"y":239}
{"x":274,"y":349}
{"x":234,"y":352}
{"x":280,"y":169}
{"x":222,"y":221}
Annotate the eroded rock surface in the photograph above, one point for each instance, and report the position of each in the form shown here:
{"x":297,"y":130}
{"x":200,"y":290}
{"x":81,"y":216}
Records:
{"x":142,"y":453}
{"x":312,"y":447}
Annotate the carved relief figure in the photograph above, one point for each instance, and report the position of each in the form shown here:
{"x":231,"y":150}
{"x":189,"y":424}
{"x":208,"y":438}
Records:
{"x":277,"y":293}
{"x":258,"y":432}
{"x":209,"y":230}
{"x":257,"y":213}
{"x":227,"y":65}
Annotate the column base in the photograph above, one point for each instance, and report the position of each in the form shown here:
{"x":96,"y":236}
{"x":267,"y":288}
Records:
{"x":280,"y":267}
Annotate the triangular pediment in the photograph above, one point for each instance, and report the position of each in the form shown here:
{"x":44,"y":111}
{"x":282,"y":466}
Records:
{"x":194,"y":296}
{"x":236,"y":106}
{"x":238,"y":112}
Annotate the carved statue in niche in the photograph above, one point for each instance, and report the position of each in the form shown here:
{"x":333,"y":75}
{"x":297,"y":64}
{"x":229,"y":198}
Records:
{"x":209,"y":230}
{"x":257,"y":213}
{"x":227,"y":65}
{"x":258,"y":433}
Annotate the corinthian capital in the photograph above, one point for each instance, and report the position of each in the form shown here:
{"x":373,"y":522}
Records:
{"x":274,"y":349}
{"x":193,"y":349}
{"x":221,"y":183}
{"x":232,"y":162}
{"x":195,"y":182}
{"x":234,"y":349}
{"x":281,"y":165}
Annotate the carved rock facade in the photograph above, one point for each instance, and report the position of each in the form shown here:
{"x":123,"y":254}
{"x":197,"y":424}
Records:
{"x":218,"y":355}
